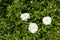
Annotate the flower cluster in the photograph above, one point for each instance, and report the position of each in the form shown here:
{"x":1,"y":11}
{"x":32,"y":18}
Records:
{"x":33,"y":27}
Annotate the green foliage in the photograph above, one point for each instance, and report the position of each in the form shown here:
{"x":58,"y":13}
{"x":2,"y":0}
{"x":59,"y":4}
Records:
{"x":13,"y":28}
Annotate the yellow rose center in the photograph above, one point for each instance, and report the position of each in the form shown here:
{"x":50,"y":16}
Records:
{"x":33,"y":28}
{"x":46,"y":20}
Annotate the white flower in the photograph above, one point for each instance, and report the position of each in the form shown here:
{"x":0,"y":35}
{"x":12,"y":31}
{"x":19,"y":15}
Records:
{"x":47,"y":20}
{"x":50,"y":6}
{"x":31,"y":2}
{"x":25,"y":16}
{"x":33,"y":27}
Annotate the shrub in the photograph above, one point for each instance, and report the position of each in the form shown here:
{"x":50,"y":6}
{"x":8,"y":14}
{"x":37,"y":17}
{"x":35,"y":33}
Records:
{"x":13,"y":28}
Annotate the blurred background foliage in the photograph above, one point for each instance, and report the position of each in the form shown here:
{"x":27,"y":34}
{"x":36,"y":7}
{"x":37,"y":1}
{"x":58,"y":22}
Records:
{"x":13,"y":28}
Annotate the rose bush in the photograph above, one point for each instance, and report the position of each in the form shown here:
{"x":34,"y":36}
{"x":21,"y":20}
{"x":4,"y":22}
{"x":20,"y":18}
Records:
{"x":12,"y":27}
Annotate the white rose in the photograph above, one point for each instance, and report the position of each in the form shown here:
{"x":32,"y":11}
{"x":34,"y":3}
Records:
{"x":33,"y":27}
{"x":47,"y":20}
{"x":25,"y":16}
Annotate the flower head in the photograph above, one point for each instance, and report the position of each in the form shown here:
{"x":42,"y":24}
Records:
{"x":25,"y":16}
{"x":47,"y":20}
{"x":33,"y":27}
